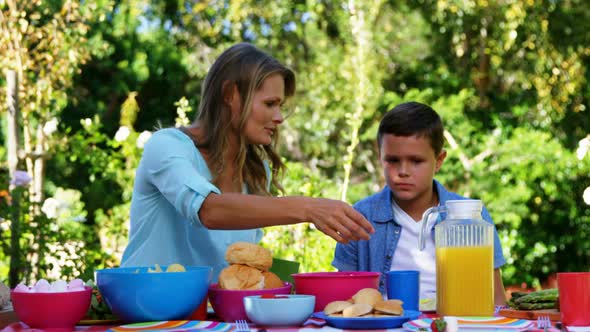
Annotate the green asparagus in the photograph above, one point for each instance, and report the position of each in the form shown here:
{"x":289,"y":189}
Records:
{"x":536,"y":306}
{"x":545,"y":295}
{"x":543,"y":299}
{"x":516,"y":295}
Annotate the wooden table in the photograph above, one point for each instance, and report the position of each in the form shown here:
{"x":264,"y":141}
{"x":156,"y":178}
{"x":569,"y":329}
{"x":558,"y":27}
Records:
{"x":7,"y":316}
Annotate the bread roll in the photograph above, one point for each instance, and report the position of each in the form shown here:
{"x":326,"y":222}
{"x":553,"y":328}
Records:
{"x":368,"y":296}
{"x":249,"y":254}
{"x":241,"y":277}
{"x":356,"y":310}
{"x":271,"y":280}
{"x":336,"y":307}
{"x":392,"y":307}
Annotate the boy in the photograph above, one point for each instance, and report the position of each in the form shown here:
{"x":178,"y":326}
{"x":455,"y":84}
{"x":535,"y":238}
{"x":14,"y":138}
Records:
{"x":410,"y":140}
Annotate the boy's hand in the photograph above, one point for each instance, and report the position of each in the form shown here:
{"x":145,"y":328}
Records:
{"x":338,"y":220}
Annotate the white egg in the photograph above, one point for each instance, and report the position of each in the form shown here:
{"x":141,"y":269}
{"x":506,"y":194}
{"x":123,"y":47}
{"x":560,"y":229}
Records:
{"x":76,"y":285}
{"x":59,"y":286}
{"x":42,"y":286}
{"x":22,"y":288}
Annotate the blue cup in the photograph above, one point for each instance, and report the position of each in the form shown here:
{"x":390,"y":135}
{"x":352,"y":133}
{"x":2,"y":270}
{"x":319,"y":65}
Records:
{"x":405,"y":286}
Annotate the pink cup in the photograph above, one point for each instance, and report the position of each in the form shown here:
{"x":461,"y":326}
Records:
{"x":574,"y":298}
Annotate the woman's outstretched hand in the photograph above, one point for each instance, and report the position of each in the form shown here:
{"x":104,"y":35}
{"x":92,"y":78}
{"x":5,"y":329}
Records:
{"x":338,"y":220}
{"x":335,"y":218}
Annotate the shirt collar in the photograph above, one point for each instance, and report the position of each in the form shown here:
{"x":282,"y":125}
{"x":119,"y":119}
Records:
{"x":384,"y":210}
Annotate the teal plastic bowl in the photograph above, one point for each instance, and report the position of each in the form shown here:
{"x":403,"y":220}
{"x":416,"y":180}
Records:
{"x":134,"y":295}
{"x":285,"y":310}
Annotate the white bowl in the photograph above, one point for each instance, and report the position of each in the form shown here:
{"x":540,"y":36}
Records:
{"x":284,"y":310}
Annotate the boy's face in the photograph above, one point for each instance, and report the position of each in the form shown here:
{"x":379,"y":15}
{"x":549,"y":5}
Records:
{"x":409,"y":164}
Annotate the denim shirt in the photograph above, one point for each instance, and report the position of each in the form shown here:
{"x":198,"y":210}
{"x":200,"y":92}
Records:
{"x":376,"y":254}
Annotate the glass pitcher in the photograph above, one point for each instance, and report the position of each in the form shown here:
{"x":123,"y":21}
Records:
{"x":464,"y":245}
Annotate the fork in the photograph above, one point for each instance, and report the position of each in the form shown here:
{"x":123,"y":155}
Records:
{"x":242,"y":326}
{"x":543,"y":322}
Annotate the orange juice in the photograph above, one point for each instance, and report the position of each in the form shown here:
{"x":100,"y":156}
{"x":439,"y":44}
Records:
{"x":465,"y":281}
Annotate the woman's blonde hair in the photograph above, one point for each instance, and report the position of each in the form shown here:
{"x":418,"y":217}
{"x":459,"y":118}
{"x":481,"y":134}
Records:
{"x":245,"y":67}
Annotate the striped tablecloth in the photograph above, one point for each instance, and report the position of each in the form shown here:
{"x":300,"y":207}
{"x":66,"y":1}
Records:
{"x":311,"y":325}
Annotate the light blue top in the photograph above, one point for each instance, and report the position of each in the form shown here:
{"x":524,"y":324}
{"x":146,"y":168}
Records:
{"x":376,"y":254}
{"x":171,"y":183}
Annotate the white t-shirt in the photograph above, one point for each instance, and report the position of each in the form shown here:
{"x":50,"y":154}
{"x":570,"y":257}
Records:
{"x":408,"y":255}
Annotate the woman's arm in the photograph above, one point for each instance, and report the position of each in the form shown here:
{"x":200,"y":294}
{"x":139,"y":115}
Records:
{"x":240,"y":211}
{"x":171,"y":165}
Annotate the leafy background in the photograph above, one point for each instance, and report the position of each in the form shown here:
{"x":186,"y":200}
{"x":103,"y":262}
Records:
{"x":96,"y":78}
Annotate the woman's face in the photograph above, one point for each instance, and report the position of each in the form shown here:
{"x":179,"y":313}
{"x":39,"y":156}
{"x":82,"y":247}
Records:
{"x":265,"y":115}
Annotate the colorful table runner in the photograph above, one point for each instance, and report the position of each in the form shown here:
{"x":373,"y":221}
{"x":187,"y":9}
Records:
{"x":311,"y":325}
{"x":178,"y":325}
{"x":479,"y":323}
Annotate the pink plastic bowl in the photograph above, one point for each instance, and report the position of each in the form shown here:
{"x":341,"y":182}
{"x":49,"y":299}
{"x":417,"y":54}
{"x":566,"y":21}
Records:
{"x":229,"y":304}
{"x":333,"y":286}
{"x":51,"y":311}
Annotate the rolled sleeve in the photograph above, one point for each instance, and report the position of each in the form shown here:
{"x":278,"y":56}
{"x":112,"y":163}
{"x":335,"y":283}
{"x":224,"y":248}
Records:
{"x":181,"y":178}
{"x":196,"y":197}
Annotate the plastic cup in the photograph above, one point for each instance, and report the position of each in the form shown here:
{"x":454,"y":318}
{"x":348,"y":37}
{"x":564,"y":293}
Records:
{"x":574,"y":298}
{"x":405,"y":286}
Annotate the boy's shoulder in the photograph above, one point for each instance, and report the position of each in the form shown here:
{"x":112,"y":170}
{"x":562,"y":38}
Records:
{"x":376,"y":206}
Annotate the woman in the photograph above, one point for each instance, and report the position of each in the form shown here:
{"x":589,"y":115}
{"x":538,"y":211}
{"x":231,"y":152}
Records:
{"x":201,"y":188}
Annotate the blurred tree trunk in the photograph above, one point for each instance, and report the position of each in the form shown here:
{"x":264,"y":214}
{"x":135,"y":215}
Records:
{"x":12,"y":151}
{"x":13,"y":116}
{"x":362,"y":18}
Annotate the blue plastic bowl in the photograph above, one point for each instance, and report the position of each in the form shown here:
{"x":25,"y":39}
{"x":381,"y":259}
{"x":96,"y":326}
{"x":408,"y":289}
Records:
{"x":134,"y":295}
{"x":287,"y":310}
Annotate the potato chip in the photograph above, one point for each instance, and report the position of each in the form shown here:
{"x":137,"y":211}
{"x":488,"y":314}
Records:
{"x":157,"y":269}
{"x":175,"y":268}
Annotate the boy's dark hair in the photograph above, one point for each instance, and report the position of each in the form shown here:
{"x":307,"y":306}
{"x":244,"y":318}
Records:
{"x":413,"y":119}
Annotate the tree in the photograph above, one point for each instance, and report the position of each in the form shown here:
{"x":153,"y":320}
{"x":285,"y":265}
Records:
{"x":44,"y":42}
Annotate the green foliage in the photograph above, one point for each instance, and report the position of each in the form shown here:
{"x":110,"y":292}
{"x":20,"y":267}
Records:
{"x":98,"y":308}
{"x":538,"y":205}
{"x":54,"y":243}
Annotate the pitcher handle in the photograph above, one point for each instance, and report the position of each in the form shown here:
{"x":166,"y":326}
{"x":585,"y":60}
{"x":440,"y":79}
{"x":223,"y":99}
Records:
{"x":423,"y":231}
